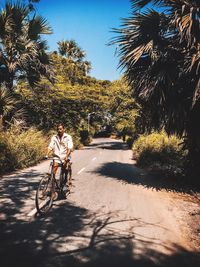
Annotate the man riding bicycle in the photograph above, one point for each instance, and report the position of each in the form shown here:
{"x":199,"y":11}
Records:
{"x":61,"y":145}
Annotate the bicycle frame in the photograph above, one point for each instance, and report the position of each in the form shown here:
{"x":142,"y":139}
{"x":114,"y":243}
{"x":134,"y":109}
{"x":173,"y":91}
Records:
{"x":50,"y":186}
{"x":57,"y":182}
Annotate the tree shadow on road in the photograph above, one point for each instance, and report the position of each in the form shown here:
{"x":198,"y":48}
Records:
{"x":110,"y":145}
{"x":16,"y":190}
{"x":128,"y":173}
{"x":131,"y":174}
{"x":73,"y":236}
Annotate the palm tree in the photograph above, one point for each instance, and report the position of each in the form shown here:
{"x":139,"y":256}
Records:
{"x":71,"y":50}
{"x":22,"y":51}
{"x":62,"y":47}
{"x":160,"y":54}
{"x":85,"y":67}
{"x":75,"y":59}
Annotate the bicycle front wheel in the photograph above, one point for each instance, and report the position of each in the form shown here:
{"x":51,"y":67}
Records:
{"x":44,"y":194}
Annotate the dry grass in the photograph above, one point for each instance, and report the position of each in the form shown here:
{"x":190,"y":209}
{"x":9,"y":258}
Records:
{"x":21,"y":148}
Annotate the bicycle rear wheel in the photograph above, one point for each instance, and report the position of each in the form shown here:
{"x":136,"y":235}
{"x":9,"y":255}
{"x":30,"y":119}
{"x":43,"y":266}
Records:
{"x":44,"y":199}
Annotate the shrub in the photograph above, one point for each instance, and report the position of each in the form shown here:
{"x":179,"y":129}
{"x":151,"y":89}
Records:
{"x":76,"y":140}
{"x":85,"y":137}
{"x":157,"y":151}
{"x":21,"y":148}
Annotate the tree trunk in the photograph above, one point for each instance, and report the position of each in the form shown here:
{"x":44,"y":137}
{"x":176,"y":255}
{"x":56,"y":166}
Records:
{"x":193,"y":143}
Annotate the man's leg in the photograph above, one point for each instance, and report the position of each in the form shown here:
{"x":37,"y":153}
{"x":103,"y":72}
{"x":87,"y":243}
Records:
{"x":55,"y":168}
{"x":68,"y":173}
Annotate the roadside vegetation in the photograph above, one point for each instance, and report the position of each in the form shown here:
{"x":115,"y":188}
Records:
{"x":21,"y":148}
{"x":160,"y":153}
{"x":159,"y":49}
{"x":154,"y":107}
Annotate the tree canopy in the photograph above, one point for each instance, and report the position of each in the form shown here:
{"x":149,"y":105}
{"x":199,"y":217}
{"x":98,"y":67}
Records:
{"x":23,"y":52}
{"x":160,"y":54}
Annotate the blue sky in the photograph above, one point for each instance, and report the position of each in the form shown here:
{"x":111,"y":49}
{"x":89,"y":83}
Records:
{"x":89,"y":23}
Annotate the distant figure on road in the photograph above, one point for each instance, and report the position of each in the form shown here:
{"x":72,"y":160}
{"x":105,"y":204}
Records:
{"x":61,"y":145}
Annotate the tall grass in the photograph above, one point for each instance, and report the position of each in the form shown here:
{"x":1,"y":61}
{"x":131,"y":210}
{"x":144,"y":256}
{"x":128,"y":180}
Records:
{"x":21,"y":148}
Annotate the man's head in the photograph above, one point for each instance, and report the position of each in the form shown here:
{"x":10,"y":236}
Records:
{"x":60,"y":129}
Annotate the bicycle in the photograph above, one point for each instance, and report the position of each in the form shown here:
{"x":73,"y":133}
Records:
{"x":50,"y":187}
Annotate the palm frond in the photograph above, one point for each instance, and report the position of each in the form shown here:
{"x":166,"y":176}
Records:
{"x":186,"y":16}
{"x":37,"y":26}
{"x":16,"y":13}
{"x":21,"y":44}
{"x":138,"y":4}
{"x":142,"y":36}
{"x":7,"y":102}
{"x":5,"y":24}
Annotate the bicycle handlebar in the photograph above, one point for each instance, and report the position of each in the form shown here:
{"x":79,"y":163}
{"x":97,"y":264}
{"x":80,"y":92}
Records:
{"x":53,"y":158}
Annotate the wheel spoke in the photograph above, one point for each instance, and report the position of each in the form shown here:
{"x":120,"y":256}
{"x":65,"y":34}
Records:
{"x":44,"y":195}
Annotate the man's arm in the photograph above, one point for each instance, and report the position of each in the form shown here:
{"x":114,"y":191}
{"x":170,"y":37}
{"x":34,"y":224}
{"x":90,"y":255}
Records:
{"x":68,"y":154}
{"x":49,"y":151}
{"x":70,"y":147}
{"x":50,"y":147}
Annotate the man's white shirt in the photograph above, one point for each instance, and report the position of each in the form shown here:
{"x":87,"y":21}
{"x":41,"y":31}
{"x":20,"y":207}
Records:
{"x":60,"y":145}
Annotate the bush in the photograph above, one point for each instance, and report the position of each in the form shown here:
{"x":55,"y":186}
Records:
{"x":76,"y":140}
{"x":21,"y":148}
{"x":157,"y":151}
{"x":85,"y":137}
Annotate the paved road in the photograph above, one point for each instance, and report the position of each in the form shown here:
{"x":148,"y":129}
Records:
{"x":115,"y":216}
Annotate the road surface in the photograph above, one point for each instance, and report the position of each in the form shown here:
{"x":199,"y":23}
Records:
{"x":116,"y":216}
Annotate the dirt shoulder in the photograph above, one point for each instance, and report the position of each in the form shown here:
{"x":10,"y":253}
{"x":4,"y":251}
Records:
{"x":188,"y":206}
{"x":184,"y":203}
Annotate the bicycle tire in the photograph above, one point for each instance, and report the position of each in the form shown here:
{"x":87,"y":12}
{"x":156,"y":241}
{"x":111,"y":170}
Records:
{"x":44,"y":199}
